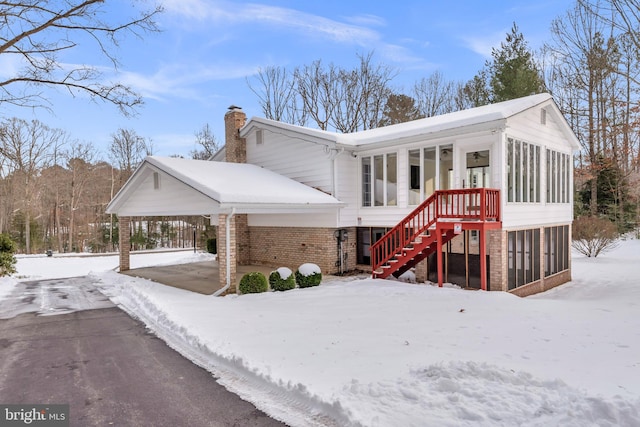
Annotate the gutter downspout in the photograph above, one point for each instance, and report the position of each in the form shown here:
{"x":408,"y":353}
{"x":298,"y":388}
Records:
{"x":227,"y":254}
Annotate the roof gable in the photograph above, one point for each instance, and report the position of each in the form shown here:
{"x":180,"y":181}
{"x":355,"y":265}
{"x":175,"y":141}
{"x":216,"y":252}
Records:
{"x":244,"y":187}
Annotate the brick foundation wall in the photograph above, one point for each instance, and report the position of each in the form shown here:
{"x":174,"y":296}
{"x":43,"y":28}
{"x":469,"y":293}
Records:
{"x":291,"y":247}
{"x":543,"y":285}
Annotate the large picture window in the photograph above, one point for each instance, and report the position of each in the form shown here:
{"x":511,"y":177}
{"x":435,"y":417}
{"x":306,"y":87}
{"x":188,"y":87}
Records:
{"x":523,"y":257}
{"x":379,"y":176}
{"x":523,"y":171}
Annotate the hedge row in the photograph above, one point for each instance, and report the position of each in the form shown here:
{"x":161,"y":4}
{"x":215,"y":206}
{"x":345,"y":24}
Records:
{"x":283,"y":279}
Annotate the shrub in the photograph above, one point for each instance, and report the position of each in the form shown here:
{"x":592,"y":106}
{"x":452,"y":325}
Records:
{"x":308,"y":275}
{"x":7,"y":259}
{"x":212,"y":246}
{"x":253,"y":283}
{"x":593,"y":236}
{"x":282,"y":279}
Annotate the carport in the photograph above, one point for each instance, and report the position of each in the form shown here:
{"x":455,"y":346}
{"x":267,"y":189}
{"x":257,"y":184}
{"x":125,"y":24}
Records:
{"x":225,"y":192}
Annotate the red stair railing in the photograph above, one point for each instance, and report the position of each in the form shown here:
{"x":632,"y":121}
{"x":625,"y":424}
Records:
{"x":480,"y":204}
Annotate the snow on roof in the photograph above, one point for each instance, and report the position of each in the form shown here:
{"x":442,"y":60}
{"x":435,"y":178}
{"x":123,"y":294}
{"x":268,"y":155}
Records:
{"x":457,"y":119}
{"x":241,"y":183}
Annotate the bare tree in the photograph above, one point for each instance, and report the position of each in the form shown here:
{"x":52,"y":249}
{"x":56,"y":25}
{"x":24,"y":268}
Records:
{"x":37,"y":33}
{"x":347,"y":100}
{"x":126,"y":150}
{"x":80,"y":158}
{"x":435,"y":95}
{"x":315,"y":85}
{"x":275,"y":89}
{"x":207,"y":144}
{"x":27,"y":146}
{"x":624,"y":15}
{"x":587,"y":61}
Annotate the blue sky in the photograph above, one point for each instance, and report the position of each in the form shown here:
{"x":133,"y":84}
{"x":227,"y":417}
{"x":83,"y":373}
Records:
{"x":198,"y":65}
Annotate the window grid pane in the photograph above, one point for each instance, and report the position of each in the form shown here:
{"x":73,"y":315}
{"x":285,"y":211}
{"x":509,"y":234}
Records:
{"x":366,"y":181}
{"x":392,"y":179}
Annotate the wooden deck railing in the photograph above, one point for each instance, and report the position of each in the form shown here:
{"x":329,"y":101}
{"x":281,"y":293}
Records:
{"x":469,"y":204}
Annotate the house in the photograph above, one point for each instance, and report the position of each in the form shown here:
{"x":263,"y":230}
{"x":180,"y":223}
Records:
{"x":480,"y":197}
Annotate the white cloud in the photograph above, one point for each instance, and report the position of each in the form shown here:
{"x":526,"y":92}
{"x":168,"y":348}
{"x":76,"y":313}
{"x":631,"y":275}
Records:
{"x":367,"y":19}
{"x":222,"y":12}
{"x":182,"y":81}
{"x":483,"y":45}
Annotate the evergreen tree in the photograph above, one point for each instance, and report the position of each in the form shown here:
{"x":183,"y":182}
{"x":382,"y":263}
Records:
{"x":513,"y":72}
{"x":7,"y":259}
{"x":399,"y":109}
{"x":476,"y":90}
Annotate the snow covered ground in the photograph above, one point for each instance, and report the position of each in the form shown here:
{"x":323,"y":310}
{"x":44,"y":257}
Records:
{"x":382,"y":353}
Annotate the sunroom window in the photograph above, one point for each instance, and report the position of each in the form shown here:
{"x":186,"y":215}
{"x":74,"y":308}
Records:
{"x":379,"y":176}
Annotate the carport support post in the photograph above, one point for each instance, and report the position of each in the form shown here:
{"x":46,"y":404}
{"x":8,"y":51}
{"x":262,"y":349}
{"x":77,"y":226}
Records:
{"x":222,"y":251}
{"x":124,"y":240}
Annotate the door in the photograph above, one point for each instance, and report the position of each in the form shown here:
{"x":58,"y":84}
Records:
{"x":478,"y":170}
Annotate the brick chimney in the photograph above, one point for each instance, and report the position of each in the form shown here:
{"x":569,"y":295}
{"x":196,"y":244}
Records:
{"x":235,"y":147}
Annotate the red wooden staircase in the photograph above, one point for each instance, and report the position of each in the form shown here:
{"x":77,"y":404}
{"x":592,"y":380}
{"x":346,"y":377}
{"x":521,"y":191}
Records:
{"x":416,"y":236}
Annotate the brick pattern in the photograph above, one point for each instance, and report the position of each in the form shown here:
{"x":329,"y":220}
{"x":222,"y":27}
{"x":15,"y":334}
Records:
{"x":235,"y":147}
{"x":243,"y":239}
{"x":222,"y":252}
{"x":291,"y":247}
{"x":124,"y":241}
{"x":543,"y":285}
{"x":497,"y":260}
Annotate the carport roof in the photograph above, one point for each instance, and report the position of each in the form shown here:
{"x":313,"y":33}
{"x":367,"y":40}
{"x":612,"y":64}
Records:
{"x":214,"y":187}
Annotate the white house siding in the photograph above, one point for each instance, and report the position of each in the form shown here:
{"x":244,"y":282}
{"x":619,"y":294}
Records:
{"x":528,"y":128}
{"x":300,"y":160}
{"x":171,"y":198}
{"x":527,"y":215}
{"x":348,"y":188}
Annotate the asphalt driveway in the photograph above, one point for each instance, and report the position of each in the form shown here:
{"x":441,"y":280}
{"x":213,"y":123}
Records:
{"x":104,"y":364}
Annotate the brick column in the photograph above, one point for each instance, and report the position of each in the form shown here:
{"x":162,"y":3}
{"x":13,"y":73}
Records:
{"x":222,"y":252}
{"x":243,"y":239}
{"x":124,"y":239}
{"x":421,"y":271}
{"x":498,"y":260}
